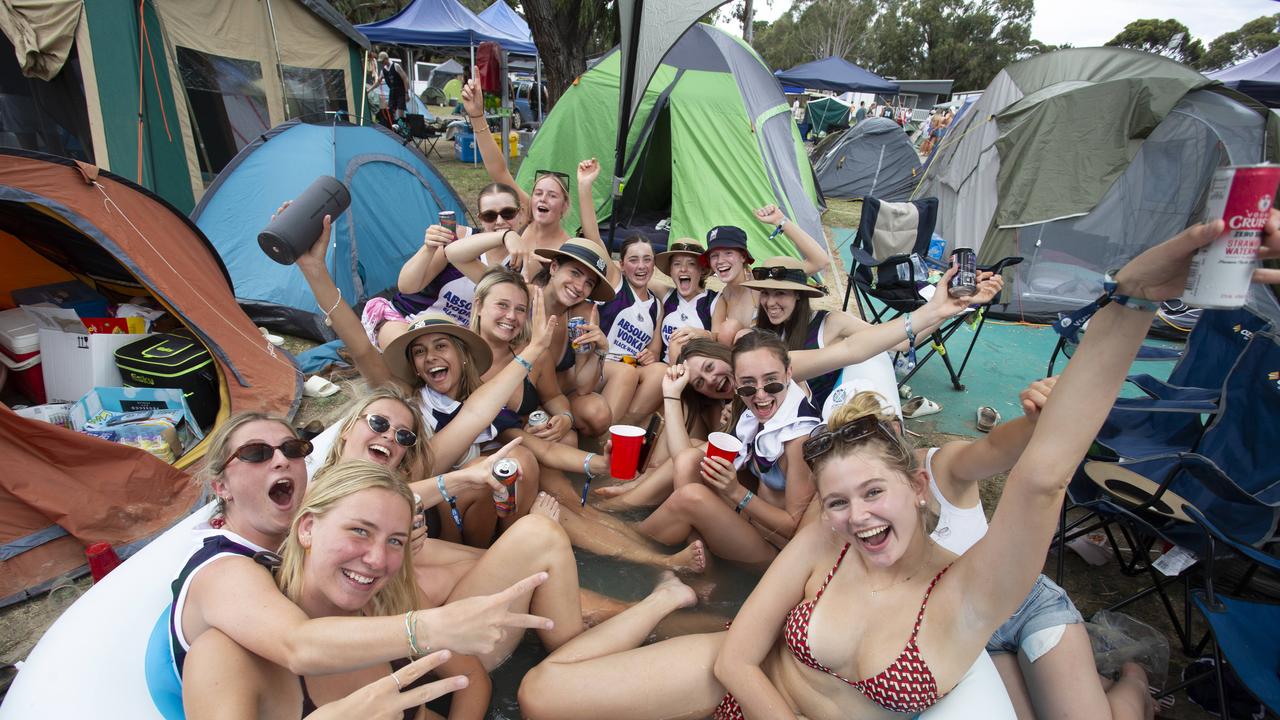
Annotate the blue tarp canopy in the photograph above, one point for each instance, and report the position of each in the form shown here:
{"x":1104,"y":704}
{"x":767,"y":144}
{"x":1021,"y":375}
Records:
{"x":834,"y":74}
{"x":501,"y":16}
{"x":395,"y":193}
{"x":441,"y":23}
{"x":1258,"y":78}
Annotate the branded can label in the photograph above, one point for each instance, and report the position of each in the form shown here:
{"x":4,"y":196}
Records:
{"x":965,"y":282}
{"x":575,"y":329}
{"x":1221,"y":271}
{"x":538,"y":417}
{"x":505,"y":471}
{"x":449,"y":221}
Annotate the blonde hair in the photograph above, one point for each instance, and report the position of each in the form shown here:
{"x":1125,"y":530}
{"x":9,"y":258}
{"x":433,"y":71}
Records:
{"x":329,"y":487}
{"x":416,"y":460}
{"x":220,"y":450}
{"x":493,"y":277}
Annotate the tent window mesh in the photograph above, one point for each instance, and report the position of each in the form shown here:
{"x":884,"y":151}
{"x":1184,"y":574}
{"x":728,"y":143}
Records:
{"x":49,"y":117}
{"x":228,"y":105}
{"x":311,"y":91}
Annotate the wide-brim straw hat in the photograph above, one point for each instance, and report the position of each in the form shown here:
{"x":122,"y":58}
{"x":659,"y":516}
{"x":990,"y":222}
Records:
{"x":396,"y":353}
{"x":683,"y":246}
{"x":590,"y":254}
{"x":783,"y":273}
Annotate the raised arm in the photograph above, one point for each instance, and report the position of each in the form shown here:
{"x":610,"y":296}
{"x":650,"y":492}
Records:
{"x":495,"y":163}
{"x":814,"y":254}
{"x":464,"y":253}
{"x":673,"y":385}
{"x":427,"y":262}
{"x":588,"y":171}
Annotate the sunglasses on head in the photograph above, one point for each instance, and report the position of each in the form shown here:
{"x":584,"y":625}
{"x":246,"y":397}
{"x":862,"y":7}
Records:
{"x":260,"y":452}
{"x":685,"y":247}
{"x":772,"y":388}
{"x":779,"y":273}
{"x":562,"y":178}
{"x":507,"y":213}
{"x":380,"y":424}
{"x":821,"y":440}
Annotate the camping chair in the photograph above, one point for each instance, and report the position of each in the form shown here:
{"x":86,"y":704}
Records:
{"x":421,"y":133}
{"x":1231,"y":477}
{"x":894,"y":232}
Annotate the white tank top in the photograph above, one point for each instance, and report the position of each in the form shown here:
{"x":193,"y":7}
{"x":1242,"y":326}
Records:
{"x":958,"y":528}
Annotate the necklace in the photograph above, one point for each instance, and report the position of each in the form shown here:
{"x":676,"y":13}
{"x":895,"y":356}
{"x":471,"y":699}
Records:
{"x":921,"y":564}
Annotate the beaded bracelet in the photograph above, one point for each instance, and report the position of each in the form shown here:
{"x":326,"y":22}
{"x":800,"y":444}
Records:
{"x":452,"y":500}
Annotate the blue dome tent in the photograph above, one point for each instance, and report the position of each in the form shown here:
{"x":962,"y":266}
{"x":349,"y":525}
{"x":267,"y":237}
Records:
{"x":395,"y":194}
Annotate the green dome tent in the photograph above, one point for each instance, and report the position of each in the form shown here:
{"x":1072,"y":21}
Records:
{"x":712,"y":141}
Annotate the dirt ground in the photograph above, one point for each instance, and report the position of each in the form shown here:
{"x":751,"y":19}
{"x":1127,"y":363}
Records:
{"x":1092,"y":588}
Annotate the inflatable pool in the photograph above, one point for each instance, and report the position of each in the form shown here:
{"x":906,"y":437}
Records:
{"x":108,"y":654}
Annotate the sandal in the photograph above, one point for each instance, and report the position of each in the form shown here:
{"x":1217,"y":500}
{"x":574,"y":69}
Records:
{"x":988,"y":417}
{"x":919,"y":406}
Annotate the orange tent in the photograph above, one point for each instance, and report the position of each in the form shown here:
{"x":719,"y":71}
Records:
{"x":124,"y":241}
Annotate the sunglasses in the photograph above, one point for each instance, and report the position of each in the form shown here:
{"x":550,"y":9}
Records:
{"x":380,"y":424}
{"x":779,"y":273}
{"x":562,"y":178}
{"x":685,"y":247}
{"x":822,"y":440}
{"x":772,"y":388}
{"x":260,"y":452}
{"x":507,"y":213}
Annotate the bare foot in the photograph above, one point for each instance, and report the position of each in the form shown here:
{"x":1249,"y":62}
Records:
{"x":670,"y":588}
{"x":546,"y":506}
{"x":692,"y":559}
{"x":612,"y":491}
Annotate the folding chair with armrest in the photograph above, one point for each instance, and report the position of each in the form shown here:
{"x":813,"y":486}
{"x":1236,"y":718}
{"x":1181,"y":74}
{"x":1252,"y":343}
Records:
{"x":421,"y":133}
{"x":888,"y":235}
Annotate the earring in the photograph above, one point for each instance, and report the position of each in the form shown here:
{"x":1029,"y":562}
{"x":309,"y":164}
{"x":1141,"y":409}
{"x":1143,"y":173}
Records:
{"x":922,"y":504}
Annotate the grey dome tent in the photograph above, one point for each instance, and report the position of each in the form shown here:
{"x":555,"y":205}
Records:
{"x":873,"y":158}
{"x":1078,"y":160}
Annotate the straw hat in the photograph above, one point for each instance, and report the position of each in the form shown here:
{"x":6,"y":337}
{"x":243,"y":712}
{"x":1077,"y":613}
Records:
{"x":396,"y":353}
{"x":683,"y":246}
{"x":588,"y":253}
{"x":783,"y":273}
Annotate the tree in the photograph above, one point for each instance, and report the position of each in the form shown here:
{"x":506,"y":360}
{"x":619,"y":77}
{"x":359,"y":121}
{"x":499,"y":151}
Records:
{"x":566,"y":33}
{"x":1251,"y":39}
{"x":835,"y":27}
{"x":1169,"y":38}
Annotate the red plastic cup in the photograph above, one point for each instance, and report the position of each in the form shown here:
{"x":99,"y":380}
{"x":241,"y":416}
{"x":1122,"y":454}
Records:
{"x":627,"y":440}
{"x":102,"y":559}
{"x":723,"y":445}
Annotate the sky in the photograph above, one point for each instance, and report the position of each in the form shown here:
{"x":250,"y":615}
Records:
{"x":1093,"y":22}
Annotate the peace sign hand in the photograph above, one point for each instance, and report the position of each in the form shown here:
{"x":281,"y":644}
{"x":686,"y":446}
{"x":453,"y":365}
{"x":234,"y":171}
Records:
{"x":388,"y":697}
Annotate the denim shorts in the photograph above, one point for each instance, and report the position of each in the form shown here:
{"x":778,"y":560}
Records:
{"x":1047,"y":607}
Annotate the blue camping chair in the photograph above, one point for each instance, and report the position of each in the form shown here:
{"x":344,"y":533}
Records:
{"x":1231,"y":477}
{"x":894,"y":232}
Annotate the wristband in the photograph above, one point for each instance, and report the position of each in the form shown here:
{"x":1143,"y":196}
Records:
{"x":777,"y":230}
{"x":586,"y":470}
{"x":911,"y":344}
{"x":742,"y":504}
{"x":1069,"y":325}
{"x":668,"y":397}
{"x":528,"y":366}
{"x":452,"y":500}
{"x":1109,"y":286}
{"x":569,"y":415}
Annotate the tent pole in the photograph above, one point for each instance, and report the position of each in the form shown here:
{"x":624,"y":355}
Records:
{"x":537,"y":69}
{"x":624,"y":122}
{"x":364,"y":85}
{"x":284,"y":95}
{"x":475,"y":152}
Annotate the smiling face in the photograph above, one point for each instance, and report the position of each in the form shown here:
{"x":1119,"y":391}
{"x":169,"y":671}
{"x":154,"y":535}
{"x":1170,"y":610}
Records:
{"x":504,"y":313}
{"x":353,"y":550}
{"x":712,"y":377}
{"x":687,"y":275}
{"x":360,"y":442}
{"x":637,"y":263}
{"x":497,"y":203}
{"x":777,"y":305}
{"x":728,"y":264}
{"x":550,"y":201}
{"x":759,"y":368}
{"x":571,"y":282}
{"x":871,"y":504}
{"x":437,"y":361}
{"x":262,"y":497}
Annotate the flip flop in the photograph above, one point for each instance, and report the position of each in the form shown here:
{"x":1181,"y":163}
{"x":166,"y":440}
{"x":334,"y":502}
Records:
{"x":318,"y":387}
{"x":919,"y":406}
{"x":988,"y":417}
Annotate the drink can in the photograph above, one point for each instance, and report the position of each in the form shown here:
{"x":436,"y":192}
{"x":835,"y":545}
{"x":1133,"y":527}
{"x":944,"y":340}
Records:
{"x":1221,"y":271}
{"x":418,"y":518}
{"x":629,"y":359}
{"x":575,"y":329}
{"x":538,"y":417}
{"x":965,"y":282}
{"x":506,"y":471}
{"x":449,"y":221}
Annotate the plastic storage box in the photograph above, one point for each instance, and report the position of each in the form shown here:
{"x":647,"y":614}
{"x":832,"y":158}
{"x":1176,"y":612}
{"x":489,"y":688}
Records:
{"x":72,"y":294}
{"x":170,"y":360}
{"x":20,"y":353}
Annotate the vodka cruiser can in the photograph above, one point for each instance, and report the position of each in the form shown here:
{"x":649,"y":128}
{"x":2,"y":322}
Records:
{"x":506,"y":471}
{"x":1221,"y":271}
{"x":575,"y":329}
{"x":449,"y":221}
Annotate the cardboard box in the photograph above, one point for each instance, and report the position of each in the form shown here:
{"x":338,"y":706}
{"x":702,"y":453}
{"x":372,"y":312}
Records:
{"x":116,"y":400}
{"x":73,"y":360}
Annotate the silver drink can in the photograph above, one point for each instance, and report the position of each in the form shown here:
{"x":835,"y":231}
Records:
{"x":1222,"y":270}
{"x":505,"y":471}
{"x":575,"y":329}
{"x":538,"y":417}
{"x":965,"y":282}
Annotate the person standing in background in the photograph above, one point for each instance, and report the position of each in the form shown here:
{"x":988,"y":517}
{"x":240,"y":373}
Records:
{"x":397,"y":81}
{"x":862,"y":113}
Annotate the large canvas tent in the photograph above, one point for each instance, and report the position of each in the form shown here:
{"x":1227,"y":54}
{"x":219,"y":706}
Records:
{"x":1258,"y":77}
{"x":166,"y":97}
{"x":712,"y":140}
{"x":1036,"y":168}
{"x":873,"y":158}
{"x":395,"y":193}
{"x":62,"y":489}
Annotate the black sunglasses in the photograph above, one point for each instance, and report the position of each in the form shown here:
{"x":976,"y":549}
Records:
{"x":562,"y":178}
{"x":772,"y":388}
{"x":507,"y":213}
{"x":380,"y":424}
{"x":822,"y":440}
{"x":685,"y":247}
{"x":260,"y":452}
{"x":779,"y":273}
